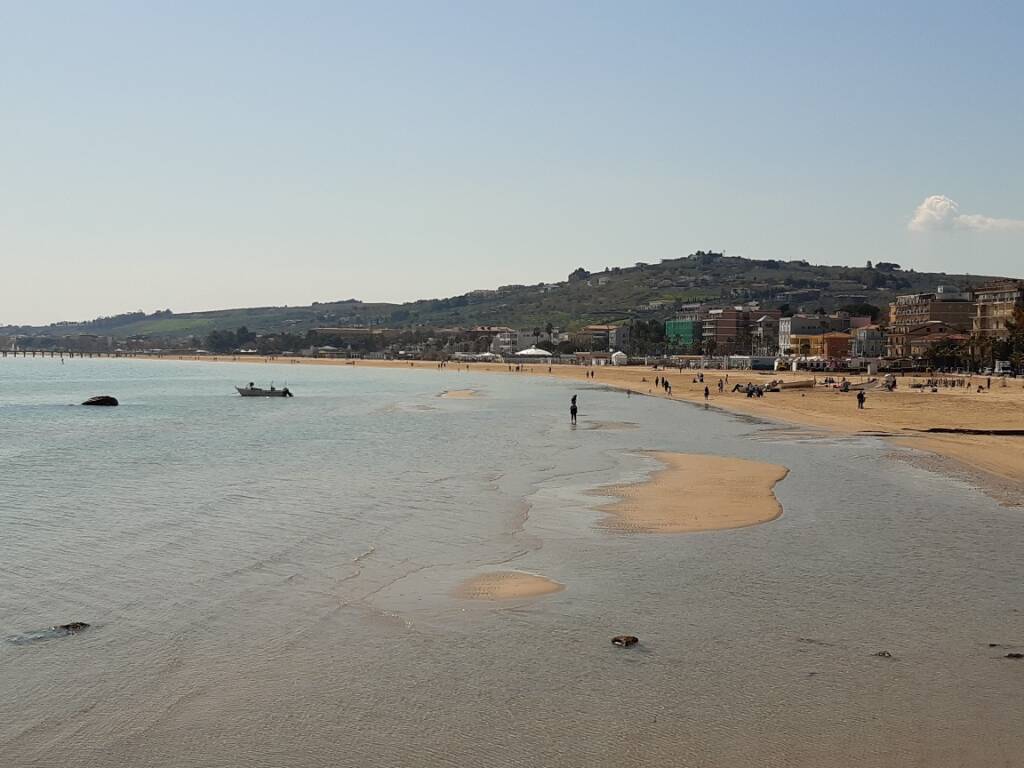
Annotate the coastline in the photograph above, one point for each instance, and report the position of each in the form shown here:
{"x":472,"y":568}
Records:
{"x":903,"y":416}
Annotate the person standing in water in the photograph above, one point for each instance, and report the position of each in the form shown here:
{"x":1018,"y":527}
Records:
{"x":572,"y":410}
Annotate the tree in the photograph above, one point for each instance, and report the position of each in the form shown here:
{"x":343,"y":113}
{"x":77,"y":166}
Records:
{"x":863,"y":308}
{"x":946,"y":354}
{"x":1012,"y":346}
{"x":869,"y":265}
{"x":548,"y":328}
{"x":221,"y":341}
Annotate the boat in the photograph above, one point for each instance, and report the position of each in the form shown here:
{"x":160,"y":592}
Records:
{"x":253,"y":391}
{"x":802,"y":384}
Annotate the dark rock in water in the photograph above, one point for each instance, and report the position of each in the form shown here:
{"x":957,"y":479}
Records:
{"x":73,"y":628}
{"x":1015,"y":655}
{"x":883,"y":654}
{"x":101,"y":400}
{"x":624,"y":641}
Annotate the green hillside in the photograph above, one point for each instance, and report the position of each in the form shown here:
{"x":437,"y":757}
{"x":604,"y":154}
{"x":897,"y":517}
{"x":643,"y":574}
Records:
{"x":641,"y":291}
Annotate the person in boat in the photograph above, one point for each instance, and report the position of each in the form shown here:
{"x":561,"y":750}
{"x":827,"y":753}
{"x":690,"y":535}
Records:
{"x":252,"y":385}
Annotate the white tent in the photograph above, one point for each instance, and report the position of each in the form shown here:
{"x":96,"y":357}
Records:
{"x":619,"y":358}
{"x":532,"y":352}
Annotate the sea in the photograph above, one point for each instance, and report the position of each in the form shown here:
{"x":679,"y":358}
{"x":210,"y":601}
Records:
{"x":274,"y":582}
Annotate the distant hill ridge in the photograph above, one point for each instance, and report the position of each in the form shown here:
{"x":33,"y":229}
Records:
{"x":612,"y":295}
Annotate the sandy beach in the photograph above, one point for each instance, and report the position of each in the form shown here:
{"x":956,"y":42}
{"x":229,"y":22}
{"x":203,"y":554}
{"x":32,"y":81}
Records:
{"x":695,"y":492}
{"x":906,"y":413}
{"x":507,"y":585}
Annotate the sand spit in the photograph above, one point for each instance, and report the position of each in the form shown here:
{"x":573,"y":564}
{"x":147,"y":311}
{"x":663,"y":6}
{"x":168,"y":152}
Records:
{"x":695,"y":492}
{"x":507,"y":585}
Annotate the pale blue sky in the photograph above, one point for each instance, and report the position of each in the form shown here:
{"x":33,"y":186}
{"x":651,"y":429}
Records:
{"x":200,"y":155}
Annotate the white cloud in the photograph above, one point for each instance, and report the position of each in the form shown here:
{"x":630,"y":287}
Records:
{"x":938,"y":213}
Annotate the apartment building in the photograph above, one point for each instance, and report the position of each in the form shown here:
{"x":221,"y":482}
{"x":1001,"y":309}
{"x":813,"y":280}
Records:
{"x":994,"y":304}
{"x":946,"y":305}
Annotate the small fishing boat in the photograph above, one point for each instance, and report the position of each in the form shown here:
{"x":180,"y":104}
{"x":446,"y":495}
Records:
{"x":253,"y":391}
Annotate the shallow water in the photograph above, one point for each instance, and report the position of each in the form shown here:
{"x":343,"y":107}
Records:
{"x":270,"y":582}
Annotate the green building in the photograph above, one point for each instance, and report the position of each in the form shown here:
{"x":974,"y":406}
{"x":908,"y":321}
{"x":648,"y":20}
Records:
{"x":685,"y":333}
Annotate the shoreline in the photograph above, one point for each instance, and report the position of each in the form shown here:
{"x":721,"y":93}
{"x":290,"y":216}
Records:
{"x":902,"y":417}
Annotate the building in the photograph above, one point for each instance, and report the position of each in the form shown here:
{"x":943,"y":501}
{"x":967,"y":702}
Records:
{"x":764,"y":335}
{"x":806,"y":344}
{"x":994,"y":305}
{"x":793,"y":329}
{"x":726,"y":331}
{"x":684,"y":332}
{"x":507,"y":341}
{"x":730,"y":330}
{"x":946,"y":305}
{"x":686,"y":328}
{"x":922,"y":338}
{"x":868,"y":341}
{"x":603,"y":338}
{"x":835,"y":345}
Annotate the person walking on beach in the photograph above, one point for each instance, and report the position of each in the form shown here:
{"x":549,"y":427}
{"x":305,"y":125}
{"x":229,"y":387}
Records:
{"x":707,"y":394}
{"x":861,"y":397}
{"x":572,"y":410}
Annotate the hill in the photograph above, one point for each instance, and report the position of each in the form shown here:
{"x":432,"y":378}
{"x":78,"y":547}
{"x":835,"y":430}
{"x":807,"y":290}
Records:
{"x":647,"y":291}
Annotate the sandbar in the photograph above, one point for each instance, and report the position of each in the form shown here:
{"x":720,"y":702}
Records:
{"x":507,"y":585}
{"x":695,"y":492}
{"x":459,"y":394}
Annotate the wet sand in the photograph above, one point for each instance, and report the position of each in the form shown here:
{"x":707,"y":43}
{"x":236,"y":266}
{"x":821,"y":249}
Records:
{"x":507,"y":585}
{"x":695,"y":492}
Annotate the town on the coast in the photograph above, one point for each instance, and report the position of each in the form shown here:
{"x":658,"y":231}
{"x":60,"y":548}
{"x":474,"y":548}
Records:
{"x":708,"y":310}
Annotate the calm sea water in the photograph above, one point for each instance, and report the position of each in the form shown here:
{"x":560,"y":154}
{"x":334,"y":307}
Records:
{"x":270,"y":583}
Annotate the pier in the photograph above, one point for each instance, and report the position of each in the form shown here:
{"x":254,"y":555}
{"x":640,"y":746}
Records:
{"x":58,"y":353}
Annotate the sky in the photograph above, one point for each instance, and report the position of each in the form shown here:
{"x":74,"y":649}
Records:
{"x":201,"y":155}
